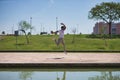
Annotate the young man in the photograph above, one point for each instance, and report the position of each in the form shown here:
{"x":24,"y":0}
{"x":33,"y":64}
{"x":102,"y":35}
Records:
{"x":61,"y":36}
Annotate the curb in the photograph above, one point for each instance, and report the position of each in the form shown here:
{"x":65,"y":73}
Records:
{"x":59,"y":65}
{"x":35,"y":51}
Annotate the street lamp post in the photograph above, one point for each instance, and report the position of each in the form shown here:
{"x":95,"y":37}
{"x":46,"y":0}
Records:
{"x":31,"y":25}
{"x":56,"y":23}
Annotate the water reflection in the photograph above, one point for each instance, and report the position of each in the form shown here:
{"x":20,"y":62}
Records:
{"x":25,"y":75}
{"x":106,"y":76}
{"x":63,"y":78}
{"x":77,"y":74}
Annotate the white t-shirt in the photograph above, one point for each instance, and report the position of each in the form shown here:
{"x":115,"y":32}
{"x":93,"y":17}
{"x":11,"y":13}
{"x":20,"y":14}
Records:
{"x":61,"y":33}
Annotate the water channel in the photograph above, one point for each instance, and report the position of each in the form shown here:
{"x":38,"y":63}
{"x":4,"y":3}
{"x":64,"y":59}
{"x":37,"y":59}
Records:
{"x":61,"y":74}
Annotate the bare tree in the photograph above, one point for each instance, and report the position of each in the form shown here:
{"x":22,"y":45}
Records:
{"x":74,"y":32}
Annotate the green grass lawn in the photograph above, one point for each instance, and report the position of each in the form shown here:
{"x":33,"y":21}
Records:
{"x":45,"y":43}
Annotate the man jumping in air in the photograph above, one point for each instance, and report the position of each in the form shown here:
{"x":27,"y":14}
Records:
{"x":61,"y":36}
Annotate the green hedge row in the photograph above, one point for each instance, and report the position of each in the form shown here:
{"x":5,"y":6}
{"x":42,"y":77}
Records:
{"x":102,"y":36}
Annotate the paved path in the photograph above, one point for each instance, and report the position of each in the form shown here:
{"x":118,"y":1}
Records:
{"x":59,"y":58}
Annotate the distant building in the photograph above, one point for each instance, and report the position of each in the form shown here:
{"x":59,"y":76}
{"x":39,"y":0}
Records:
{"x":118,"y":28}
{"x":103,"y":28}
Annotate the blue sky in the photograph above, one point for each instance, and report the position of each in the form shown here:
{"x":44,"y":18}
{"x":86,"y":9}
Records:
{"x":74,"y":13}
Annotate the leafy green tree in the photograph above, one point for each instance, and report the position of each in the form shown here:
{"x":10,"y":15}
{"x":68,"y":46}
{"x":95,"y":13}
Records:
{"x":106,"y":11}
{"x":25,"y":25}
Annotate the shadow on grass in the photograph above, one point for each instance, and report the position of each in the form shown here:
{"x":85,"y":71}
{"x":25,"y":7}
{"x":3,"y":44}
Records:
{"x":102,"y":48}
{"x":20,"y":44}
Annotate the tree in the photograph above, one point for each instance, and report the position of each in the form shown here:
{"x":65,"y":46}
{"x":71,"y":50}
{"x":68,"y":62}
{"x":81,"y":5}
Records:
{"x":103,"y":35}
{"x":3,"y":32}
{"x":74,"y":31}
{"x":25,"y":36}
{"x":106,"y":11}
{"x":25,"y":25}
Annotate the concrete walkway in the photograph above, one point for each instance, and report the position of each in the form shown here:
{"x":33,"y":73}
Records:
{"x":39,"y":59}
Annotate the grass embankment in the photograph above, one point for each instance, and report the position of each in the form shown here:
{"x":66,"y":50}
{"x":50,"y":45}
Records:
{"x":45,"y":43}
